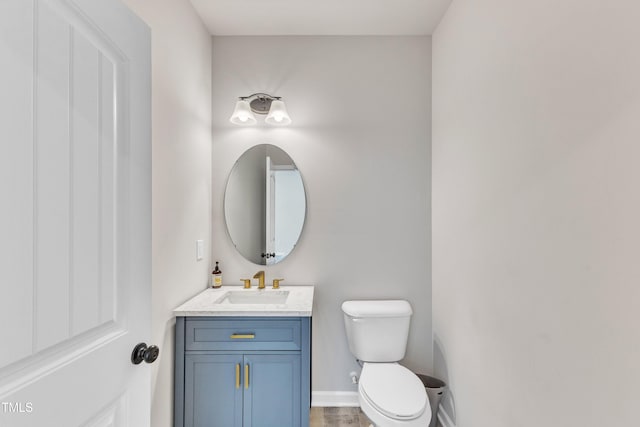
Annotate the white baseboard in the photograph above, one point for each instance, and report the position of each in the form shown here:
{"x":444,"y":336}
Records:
{"x":334,"y":398}
{"x":444,"y":419}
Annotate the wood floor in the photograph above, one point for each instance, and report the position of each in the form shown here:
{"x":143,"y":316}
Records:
{"x":337,"y":417}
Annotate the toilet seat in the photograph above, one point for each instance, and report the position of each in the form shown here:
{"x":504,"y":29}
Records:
{"x":393,"y":390}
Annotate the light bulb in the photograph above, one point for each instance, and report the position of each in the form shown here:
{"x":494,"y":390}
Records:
{"x":242,"y":114}
{"x":278,"y":114}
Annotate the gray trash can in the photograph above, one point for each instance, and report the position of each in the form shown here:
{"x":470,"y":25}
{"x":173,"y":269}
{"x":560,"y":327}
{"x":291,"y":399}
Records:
{"x":435,"y":391}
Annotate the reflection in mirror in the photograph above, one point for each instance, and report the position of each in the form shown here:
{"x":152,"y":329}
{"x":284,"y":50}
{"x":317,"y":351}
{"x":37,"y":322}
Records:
{"x":264,"y":204}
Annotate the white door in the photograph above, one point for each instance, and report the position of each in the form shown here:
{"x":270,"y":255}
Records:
{"x":289,"y":209}
{"x":270,"y":234}
{"x":75,"y":214}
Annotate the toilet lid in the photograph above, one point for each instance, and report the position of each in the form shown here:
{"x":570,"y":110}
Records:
{"x":393,"y":390}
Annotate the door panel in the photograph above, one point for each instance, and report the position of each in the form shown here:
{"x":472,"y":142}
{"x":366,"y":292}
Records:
{"x":213,"y":390}
{"x":16,"y":181}
{"x":273,"y":395}
{"x":51,"y":169}
{"x":75,"y":182}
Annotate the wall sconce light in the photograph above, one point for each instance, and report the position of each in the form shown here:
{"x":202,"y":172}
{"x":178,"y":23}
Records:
{"x":260,"y":103}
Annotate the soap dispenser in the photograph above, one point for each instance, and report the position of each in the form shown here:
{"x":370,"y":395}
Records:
{"x":217,"y":277}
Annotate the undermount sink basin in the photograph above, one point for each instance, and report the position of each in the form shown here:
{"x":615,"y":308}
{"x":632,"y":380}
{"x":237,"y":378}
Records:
{"x":254,"y":297}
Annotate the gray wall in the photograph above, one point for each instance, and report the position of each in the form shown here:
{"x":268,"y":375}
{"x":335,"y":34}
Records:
{"x":181,"y":177}
{"x":361,"y":138}
{"x":536,"y":136}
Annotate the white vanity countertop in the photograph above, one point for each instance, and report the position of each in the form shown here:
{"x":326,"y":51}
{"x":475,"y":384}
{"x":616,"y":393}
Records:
{"x":210,"y":303}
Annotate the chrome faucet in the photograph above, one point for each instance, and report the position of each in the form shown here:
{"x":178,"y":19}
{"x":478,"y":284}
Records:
{"x":260,"y":276}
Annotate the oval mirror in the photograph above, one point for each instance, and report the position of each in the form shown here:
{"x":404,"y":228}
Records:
{"x":265,"y":204}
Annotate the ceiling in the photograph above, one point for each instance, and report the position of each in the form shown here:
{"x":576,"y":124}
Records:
{"x":321,"y":17}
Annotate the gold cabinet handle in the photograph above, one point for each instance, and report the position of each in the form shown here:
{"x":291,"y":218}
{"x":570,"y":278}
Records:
{"x":237,"y":375}
{"x":246,"y":375}
{"x":242,"y":336}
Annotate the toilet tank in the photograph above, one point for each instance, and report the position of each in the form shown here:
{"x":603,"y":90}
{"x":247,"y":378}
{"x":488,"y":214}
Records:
{"x":377,"y":331}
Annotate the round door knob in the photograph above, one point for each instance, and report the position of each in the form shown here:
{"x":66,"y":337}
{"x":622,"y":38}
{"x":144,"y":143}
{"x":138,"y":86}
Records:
{"x":142,"y":352}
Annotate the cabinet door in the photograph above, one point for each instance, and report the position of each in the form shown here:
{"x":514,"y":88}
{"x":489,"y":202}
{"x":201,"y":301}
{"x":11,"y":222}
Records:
{"x":272,"y":390}
{"x":213,"y":390}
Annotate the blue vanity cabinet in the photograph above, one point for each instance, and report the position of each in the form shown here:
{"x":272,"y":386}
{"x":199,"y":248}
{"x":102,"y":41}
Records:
{"x":242,"y":372}
{"x":213,"y":397}
{"x":272,"y":397}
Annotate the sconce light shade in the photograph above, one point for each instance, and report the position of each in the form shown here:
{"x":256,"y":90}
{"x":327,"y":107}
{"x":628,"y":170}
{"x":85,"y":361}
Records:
{"x":242,"y":114}
{"x":260,"y":103}
{"x":278,"y":114}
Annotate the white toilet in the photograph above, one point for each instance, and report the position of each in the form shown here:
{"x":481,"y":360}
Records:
{"x":389,"y":394}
